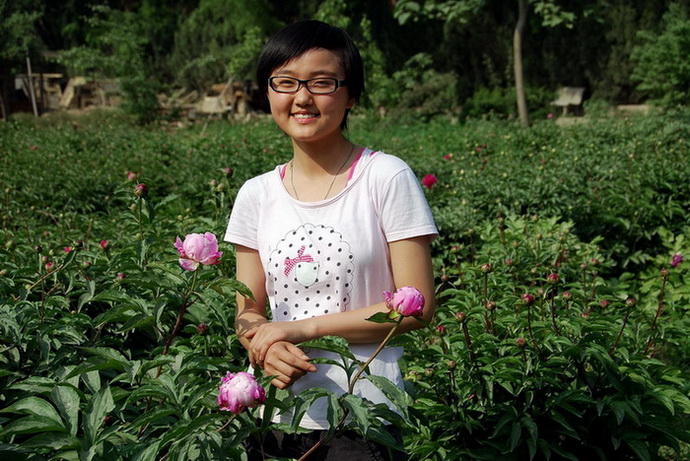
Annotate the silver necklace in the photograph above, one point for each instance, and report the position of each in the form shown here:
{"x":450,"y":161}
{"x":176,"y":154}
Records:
{"x":292,"y":175}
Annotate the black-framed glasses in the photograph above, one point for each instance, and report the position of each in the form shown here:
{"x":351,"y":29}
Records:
{"x":319,"y":85}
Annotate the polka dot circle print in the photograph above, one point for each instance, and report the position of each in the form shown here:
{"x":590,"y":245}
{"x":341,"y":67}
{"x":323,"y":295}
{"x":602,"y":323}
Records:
{"x":310,"y":273}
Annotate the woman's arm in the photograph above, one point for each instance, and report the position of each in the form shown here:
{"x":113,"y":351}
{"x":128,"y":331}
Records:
{"x":411,"y":265}
{"x":283,"y":360}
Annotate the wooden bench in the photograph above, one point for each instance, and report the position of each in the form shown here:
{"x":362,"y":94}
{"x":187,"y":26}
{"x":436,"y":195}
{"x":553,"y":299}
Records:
{"x":570,"y":99}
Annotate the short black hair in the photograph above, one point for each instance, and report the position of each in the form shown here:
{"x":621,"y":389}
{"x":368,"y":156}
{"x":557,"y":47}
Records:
{"x":296,"y":39}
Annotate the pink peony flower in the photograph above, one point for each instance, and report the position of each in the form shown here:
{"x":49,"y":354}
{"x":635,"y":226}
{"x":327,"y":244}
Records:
{"x":131,"y":176}
{"x":105,"y":245}
{"x":198,"y":249}
{"x":676,"y":260}
{"x":448,"y":156}
{"x":429,"y":180}
{"x":239,"y":391}
{"x":406,"y":301}
{"x":67,"y":249}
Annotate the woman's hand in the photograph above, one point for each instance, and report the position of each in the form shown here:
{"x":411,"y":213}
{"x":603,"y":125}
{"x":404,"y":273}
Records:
{"x":267,"y":334}
{"x":287,"y":363}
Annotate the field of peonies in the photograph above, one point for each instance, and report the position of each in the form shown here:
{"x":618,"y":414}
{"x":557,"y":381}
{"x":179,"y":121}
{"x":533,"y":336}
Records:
{"x":562,"y":275}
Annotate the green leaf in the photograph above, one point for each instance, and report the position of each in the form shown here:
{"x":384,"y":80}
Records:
{"x":515,"y":436}
{"x":640,"y":448}
{"x":98,"y":407}
{"x":66,"y":399}
{"x":32,"y":424}
{"x":304,"y":400}
{"x":332,"y":344}
{"x":358,"y":410}
{"x":148,"y":453}
{"x":154,"y":415}
{"x":52,"y":440}
{"x":35,"y":406}
{"x":381,"y":317}
{"x":399,"y":397}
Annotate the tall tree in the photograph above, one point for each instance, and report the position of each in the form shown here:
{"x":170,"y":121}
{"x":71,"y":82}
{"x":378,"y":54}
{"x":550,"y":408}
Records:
{"x":462,"y":11}
{"x":18,"y":41}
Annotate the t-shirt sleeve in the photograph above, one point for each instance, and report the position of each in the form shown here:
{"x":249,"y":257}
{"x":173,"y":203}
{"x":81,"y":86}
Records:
{"x":243,"y":224}
{"x":405,"y":212}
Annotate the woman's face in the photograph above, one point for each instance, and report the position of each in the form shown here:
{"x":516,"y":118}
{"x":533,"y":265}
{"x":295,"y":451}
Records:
{"x":307,"y":117}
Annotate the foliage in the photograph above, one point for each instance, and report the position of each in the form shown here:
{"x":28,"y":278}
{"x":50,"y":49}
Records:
{"x":603,"y":206}
{"x":663,"y":62}
{"x":17,"y":38}
{"x":216,"y":35}
{"x":538,"y":356}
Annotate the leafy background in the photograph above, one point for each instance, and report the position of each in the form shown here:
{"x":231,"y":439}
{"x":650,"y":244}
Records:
{"x":600,"y":372}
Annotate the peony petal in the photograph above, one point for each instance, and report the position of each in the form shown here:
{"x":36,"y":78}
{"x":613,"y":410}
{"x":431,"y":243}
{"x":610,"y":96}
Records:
{"x":188,"y":264}
{"x":180,"y":247}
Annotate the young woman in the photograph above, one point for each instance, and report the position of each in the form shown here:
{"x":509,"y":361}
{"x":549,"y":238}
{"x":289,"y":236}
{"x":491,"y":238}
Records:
{"x":322,"y":236}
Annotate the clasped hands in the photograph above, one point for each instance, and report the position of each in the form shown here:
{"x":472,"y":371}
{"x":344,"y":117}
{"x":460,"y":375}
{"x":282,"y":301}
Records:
{"x":272,"y":348}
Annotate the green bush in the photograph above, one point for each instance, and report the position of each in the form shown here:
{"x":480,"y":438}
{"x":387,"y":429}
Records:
{"x":536,"y":356}
{"x":603,"y":206}
{"x":663,"y":60}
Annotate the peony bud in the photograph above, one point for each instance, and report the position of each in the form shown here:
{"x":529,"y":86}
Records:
{"x":228,"y":172}
{"x":490,"y":306}
{"x":441,"y":330}
{"x":201,"y":329}
{"x":528,"y":299}
{"x":38,"y":249}
{"x":407,"y":301}
{"x":486,"y":268}
{"x":676,"y":260}
{"x":630,"y":302}
{"x":567,"y":295}
{"x":604,"y":303}
{"x":141,"y":190}
{"x":120,"y":276}
{"x":238,"y":391}
{"x":105,"y":245}
{"x":461,"y":317}
{"x":521,"y":342}
{"x":198,"y":249}
{"x":452,"y":364}
{"x":552,"y":279}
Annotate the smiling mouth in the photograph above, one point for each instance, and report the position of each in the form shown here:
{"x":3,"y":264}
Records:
{"x":305,"y":116}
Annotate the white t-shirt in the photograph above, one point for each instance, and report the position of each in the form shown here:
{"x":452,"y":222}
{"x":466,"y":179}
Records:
{"x":332,"y":256}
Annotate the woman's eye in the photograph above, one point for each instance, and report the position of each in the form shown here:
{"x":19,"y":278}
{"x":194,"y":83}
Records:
{"x":321,"y":83}
{"x":285,"y":83}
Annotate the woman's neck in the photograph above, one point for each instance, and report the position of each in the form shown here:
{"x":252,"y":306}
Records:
{"x":318,"y":159}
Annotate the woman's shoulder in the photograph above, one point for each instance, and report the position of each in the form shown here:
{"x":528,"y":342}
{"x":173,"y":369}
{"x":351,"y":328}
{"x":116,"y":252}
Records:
{"x":262,"y":181}
{"x":386,"y":164}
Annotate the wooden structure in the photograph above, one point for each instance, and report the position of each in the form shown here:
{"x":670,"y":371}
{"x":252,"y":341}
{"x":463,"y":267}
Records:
{"x":570,"y":99}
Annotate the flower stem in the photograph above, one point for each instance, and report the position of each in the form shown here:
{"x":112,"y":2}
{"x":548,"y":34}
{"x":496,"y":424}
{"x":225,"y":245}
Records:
{"x":659,"y":310}
{"x":620,"y":333}
{"x":351,"y":387}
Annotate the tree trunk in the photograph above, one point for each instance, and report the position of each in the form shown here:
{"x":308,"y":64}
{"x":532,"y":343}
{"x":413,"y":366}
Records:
{"x":517,"y":63}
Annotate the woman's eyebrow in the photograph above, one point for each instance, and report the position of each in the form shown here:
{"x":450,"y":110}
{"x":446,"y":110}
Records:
{"x":316,"y":73}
